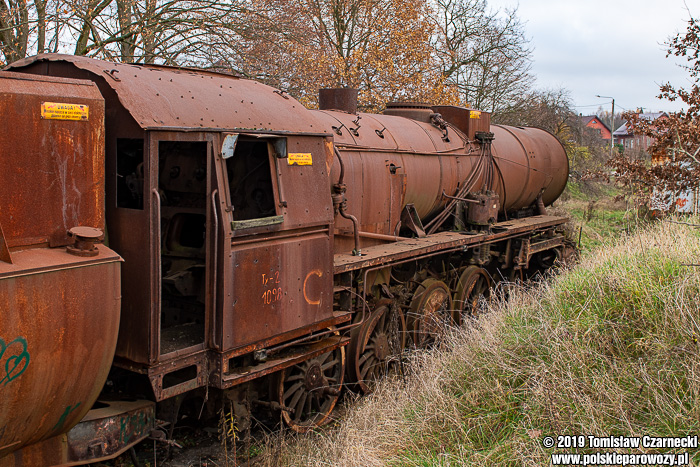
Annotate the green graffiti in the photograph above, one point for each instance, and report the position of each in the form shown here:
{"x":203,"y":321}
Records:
{"x":65,"y":415}
{"x":16,"y":362}
{"x":132,"y":425}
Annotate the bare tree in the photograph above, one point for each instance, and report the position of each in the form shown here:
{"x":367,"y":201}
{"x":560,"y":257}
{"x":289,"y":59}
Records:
{"x":149,"y":31}
{"x":168,"y":31}
{"x":14,"y":28}
{"x":550,"y":110}
{"x":483,"y":53}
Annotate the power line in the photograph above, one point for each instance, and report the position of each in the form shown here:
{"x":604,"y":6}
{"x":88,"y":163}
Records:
{"x":590,"y":105}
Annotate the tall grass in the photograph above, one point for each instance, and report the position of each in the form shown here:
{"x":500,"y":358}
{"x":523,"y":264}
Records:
{"x":607,"y":348}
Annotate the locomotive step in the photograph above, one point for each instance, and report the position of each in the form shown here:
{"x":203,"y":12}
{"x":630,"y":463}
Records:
{"x":281,"y":361}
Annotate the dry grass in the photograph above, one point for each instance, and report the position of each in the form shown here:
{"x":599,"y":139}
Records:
{"x":607,"y":348}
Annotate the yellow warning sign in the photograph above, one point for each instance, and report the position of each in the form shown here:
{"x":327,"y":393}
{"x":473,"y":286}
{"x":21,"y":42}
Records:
{"x":60,"y":111}
{"x":299,"y":158}
{"x":475,"y":114}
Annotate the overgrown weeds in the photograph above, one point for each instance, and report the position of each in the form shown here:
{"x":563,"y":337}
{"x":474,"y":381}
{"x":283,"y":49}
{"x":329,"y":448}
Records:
{"x":609,"y":347}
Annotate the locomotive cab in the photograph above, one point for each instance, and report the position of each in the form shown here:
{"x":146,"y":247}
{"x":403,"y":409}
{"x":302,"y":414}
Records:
{"x":223,"y":217}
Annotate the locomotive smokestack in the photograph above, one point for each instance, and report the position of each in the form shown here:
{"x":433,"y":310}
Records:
{"x":343,"y":99}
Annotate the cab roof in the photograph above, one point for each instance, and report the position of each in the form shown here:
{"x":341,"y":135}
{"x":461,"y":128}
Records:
{"x":162,"y":97}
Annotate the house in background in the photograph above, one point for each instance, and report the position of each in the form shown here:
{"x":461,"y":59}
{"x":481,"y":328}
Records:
{"x":628,"y":140}
{"x":687,"y":201}
{"x":592,"y":121}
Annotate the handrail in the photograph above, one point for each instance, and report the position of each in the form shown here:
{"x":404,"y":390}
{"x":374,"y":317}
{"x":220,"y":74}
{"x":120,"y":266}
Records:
{"x":215,"y":261}
{"x":157,"y":266}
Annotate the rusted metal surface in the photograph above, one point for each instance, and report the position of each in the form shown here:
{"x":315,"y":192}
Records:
{"x":5,"y":254}
{"x":129,"y":226}
{"x":198,"y":106}
{"x":468,"y":121}
{"x":281,"y":361}
{"x":62,"y":157}
{"x":106,"y":431}
{"x":279,"y":277}
{"x":188,"y":99}
{"x":60,"y":312}
{"x":110,"y":429}
{"x":201,"y":105}
{"x":531,"y":160}
{"x":224,"y":197}
{"x":343,"y":99}
{"x":484,"y":211}
{"x":412,"y":151}
{"x":443,"y":241}
{"x":223,"y":359}
{"x":59,"y":323}
{"x":278,"y":286}
{"x":412,"y":110}
{"x":545,"y":245}
{"x":85,"y":238}
{"x":166,"y":379}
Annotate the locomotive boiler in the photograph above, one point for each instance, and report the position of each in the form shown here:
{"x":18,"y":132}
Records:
{"x":271,"y":254}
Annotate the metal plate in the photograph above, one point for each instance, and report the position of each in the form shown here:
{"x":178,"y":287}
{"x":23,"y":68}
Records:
{"x":57,"y":176}
{"x":58,"y":331}
{"x":278,"y":285}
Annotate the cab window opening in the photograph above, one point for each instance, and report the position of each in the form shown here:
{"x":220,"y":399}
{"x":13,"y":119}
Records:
{"x":250,"y":181}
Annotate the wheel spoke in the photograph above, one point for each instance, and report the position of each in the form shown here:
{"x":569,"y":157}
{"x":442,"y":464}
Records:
{"x":382,"y":320}
{"x":364,"y":357}
{"x":295,"y":401}
{"x":370,"y":363}
{"x":299,"y":407}
{"x":315,"y":404}
{"x":330,"y":364}
{"x":294,"y":388}
{"x":306,"y":407}
{"x":326,"y":356}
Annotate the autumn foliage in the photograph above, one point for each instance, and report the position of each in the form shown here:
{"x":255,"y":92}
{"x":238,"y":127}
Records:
{"x":676,"y":144}
{"x":438,"y":51}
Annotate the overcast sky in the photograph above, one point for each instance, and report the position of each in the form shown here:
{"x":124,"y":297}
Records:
{"x":612,"y":48}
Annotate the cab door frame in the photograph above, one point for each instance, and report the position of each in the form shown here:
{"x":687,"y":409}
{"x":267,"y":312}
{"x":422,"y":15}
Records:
{"x":153,"y":140}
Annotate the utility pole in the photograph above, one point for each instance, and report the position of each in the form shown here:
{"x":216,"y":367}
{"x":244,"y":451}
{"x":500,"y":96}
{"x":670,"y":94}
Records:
{"x":612,"y":123}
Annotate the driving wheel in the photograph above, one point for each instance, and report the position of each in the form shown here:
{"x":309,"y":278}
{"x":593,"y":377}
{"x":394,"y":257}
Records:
{"x":307,"y":392}
{"x":471,"y":295}
{"x":375,"y":350}
{"x":429,"y":311}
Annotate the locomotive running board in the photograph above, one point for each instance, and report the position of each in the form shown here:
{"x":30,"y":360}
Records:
{"x":284,"y":359}
{"x":443,"y":241}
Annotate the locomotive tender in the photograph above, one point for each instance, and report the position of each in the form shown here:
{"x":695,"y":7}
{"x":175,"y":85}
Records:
{"x":271,"y":253}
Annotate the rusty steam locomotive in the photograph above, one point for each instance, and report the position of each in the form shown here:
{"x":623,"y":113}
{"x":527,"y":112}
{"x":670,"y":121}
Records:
{"x":254,"y":249}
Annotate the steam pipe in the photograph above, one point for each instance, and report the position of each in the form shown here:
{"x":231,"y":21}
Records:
{"x":339,"y":202}
{"x":341,"y":177}
{"x":357,"y":251}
